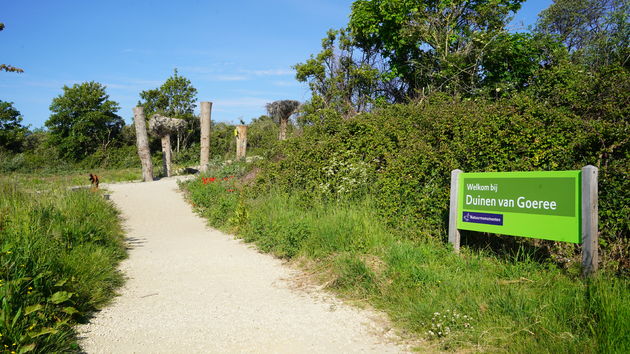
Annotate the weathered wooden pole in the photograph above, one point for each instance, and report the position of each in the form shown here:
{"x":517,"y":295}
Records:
{"x":206,"y":108}
{"x":166,"y":154}
{"x":241,"y":141}
{"x":454,"y":236}
{"x":142,"y":142}
{"x":590,"y":255}
{"x":164,"y":127}
{"x":282,"y":134}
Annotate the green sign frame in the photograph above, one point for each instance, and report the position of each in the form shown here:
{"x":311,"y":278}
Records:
{"x":543,"y":204}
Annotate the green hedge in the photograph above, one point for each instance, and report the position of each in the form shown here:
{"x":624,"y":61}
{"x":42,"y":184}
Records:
{"x":403,"y":156}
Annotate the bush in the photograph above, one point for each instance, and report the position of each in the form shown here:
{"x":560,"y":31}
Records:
{"x":113,"y":157}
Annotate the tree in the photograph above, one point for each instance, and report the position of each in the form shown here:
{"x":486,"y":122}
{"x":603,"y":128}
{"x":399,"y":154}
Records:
{"x":596,"y":32}
{"x":341,"y":76}
{"x":281,"y":111}
{"x":12,"y":133}
{"x":430,"y":44}
{"x":5,"y":67}
{"x":175,"y":99}
{"x":262,"y":134}
{"x":511,"y":61}
{"x":83,"y":120}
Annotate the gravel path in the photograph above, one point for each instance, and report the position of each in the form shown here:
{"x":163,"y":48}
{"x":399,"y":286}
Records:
{"x":192,"y":289}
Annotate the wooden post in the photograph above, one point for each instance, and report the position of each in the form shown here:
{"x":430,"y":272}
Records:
{"x":282,"y":134}
{"x":142,"y":142}
{"x":166,"y":154}
{"x":206,"y":107}
{"x":590,"y":256}
{"x":454,"y":236}
{"x":241,"y":141}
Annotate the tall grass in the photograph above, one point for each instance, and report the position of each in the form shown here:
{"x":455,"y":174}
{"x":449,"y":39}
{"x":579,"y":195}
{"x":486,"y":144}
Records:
{"x":58,"y":256}
{"x":472,"y":301}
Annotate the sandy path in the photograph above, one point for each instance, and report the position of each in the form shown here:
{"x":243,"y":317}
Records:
{"x":191,"y":289}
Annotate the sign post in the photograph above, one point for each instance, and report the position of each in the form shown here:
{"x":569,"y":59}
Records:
{"x":550,"y":205}
{"x":453,"y":232}
{"x":590,"y":256}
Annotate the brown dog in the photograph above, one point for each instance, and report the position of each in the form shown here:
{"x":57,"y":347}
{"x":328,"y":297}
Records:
{"x":94,"y":181}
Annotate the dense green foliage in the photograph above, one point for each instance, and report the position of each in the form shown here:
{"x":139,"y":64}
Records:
{"x":430,"y":44}
{"x":475,"y":301}
{"x":12,"y":132}
{"x":43,"y":159}
{"x":175,"y":99}
{"x":58,"y":256}
{"x":83,"y":120}
{"x":595,"y":32}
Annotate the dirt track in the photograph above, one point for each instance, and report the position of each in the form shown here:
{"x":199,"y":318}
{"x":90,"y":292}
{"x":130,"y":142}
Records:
{"x":194,"y":289}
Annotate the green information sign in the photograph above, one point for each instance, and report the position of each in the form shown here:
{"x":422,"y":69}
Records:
{"x":543,"y":205}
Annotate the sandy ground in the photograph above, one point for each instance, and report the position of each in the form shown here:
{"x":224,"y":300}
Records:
{"x":192,"y":289}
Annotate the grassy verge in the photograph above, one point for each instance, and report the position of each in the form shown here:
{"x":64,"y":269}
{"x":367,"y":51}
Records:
{"x":43,"y":180}
{"x":58,"y":255}
{"x":475,"y":301}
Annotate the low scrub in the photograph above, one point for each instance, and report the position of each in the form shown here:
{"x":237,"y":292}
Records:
{"x":58,"y":256}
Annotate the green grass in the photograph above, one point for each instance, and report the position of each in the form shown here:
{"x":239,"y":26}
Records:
{"x":58,"y":255}
{"x":43,"y":180}
{"x":487,"y":302}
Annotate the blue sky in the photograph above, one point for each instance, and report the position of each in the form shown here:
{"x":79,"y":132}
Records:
{"x":238,"y":54}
